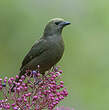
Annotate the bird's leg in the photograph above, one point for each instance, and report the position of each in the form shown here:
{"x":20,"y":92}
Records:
{"x":53,"y":68}
{"x":35,"y":76}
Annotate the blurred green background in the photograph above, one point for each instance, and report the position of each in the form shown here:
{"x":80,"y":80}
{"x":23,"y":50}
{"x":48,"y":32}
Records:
{"x":86,"y":59}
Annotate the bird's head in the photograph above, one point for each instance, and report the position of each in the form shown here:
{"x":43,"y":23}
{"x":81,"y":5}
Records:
{"x":55,"y":26}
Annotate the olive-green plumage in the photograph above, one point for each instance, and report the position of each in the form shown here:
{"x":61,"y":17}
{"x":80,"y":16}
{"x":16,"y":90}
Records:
{"x":48,"y":50}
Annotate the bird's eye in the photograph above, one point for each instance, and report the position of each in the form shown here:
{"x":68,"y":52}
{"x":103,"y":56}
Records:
{"x":57,"y":23}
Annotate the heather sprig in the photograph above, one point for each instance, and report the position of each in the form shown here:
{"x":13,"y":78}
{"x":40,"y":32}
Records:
{"x":33,"y":92}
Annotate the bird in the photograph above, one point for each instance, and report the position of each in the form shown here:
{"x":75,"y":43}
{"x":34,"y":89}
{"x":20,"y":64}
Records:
{"x":48,"y":50}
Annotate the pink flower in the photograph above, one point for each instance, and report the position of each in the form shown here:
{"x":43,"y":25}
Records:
{"x":34,"y":92}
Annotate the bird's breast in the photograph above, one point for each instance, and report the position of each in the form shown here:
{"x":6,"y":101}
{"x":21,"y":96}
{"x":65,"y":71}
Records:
{"x":56,"y":48}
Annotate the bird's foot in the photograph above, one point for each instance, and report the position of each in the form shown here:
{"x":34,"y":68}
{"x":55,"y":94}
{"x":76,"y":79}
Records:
{"x":35,"y":76}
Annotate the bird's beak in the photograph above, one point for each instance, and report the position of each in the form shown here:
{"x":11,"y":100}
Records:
{"x":64,"y":23}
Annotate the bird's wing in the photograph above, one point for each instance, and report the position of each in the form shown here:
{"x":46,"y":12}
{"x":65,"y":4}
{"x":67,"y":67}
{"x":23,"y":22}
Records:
{"x":37,"y":49}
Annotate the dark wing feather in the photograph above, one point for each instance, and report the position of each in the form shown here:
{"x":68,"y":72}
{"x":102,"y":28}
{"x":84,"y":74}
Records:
{"x":38,"y":48}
